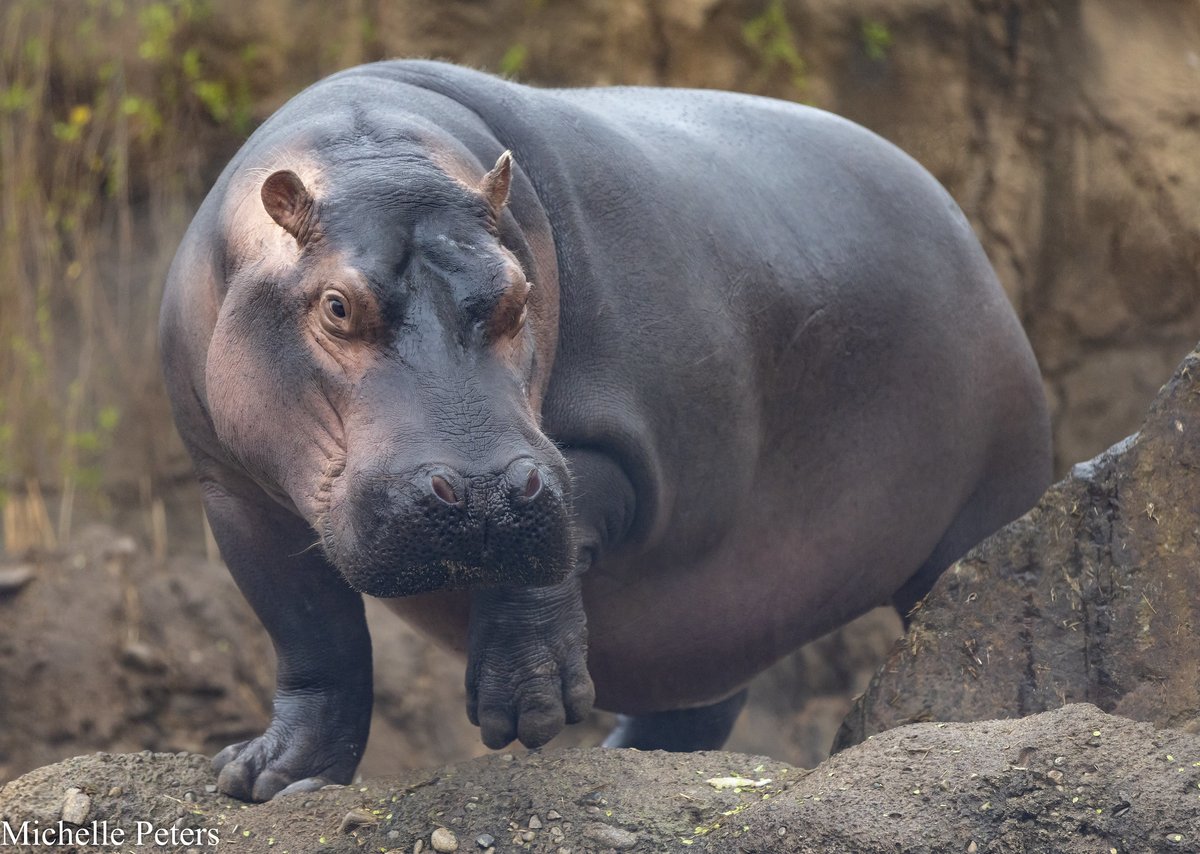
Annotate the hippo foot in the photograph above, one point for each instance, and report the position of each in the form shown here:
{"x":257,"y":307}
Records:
{"x":294,"y":754}
{"x":681,"y":731}
{"x":527,"y":663}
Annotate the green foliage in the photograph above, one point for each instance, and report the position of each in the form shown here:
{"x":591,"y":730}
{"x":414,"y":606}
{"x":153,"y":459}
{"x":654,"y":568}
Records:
{"x":876,"y":39}
{"x":771,"y":37}
{"x":158,"y":27}
{"x":514,"y":59}
{"x":107,"y":106}
{"x":15,"y":98}
{"x":228,"y":102}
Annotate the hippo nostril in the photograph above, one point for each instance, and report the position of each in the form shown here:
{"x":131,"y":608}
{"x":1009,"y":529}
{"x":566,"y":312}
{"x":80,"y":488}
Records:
{"x":532,"y":486}
{"x":442,"y":489}
{"x":525,"y":480}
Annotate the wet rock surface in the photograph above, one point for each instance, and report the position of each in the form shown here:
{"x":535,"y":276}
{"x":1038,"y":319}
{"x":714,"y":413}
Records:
{"x":1071,"y":780}
{"x":1092,"y":596}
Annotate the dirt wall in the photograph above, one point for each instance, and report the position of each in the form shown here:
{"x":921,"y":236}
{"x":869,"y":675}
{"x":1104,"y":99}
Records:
{"x":1066,"y":130}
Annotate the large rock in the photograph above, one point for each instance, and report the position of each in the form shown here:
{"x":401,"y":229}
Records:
{"x":1091,"y":596}
{"x":1070,"y":781}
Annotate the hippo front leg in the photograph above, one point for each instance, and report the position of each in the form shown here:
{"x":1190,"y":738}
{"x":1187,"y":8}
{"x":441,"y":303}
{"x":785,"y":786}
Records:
{"x":527,"y":671}
{"x":322,"y":707}
{"x":527,"y":663}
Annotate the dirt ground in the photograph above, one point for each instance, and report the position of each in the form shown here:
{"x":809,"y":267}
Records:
{"x":1072,"y":781}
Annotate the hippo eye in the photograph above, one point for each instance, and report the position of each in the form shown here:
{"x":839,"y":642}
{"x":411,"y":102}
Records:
{"x":337,"y":307}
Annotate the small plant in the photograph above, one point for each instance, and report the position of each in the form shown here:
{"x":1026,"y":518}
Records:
{"x":876,"y":39}
{"x":514,"y":59}
{"x":770,"y":35}
{"x":102,"y":150}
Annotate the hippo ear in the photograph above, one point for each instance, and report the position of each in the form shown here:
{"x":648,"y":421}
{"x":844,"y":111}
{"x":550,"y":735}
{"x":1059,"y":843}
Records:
{"x":494,"y":185}
{"x":290,"y":204}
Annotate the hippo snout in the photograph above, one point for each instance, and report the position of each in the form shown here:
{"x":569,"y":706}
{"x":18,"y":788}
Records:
{"x":435,"y":527}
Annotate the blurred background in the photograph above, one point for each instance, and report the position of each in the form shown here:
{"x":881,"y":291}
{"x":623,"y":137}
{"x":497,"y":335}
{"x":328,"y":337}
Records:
{"x":1067,"y":130}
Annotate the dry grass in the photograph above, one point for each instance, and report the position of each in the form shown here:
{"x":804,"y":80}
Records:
{"x":107,"y":127}
{"x":115,"y":116}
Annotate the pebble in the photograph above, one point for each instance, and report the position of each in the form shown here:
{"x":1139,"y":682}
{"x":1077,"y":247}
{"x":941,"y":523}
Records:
{"x":117,"y":791}
{"x":121,"y":547}
{"x":553,"y":815}
{"x":443,"y":840}
{"x":13,"y":579}
{"x":528,"y":836}
{"x":76,"y":806}
{"x":612,"y":837}
{"x":210,"y":788}
{"x":355,"y":819}
{"x":393,"y":835}
{"x":972,"y":848}
{"x":143,"y":657}
{"x":485,"y":840}
{"x":418,"y":846}
{"x":535,"y":823}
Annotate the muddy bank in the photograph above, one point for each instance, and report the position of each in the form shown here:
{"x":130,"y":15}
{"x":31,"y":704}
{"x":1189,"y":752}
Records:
{"x":1072,"y":780}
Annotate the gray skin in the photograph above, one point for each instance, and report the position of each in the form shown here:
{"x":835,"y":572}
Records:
{"x":689,"y":380}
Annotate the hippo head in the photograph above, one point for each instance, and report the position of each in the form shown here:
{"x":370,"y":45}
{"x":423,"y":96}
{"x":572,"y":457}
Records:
{"x":378,"y":364}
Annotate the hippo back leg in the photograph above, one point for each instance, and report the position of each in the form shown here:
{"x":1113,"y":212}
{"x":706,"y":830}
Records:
{"x":1015,"y":481}
{"x":700,"y":728}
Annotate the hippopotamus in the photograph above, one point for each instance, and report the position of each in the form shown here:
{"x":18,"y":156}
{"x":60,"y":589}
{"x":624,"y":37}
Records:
{"x":622,"y":393}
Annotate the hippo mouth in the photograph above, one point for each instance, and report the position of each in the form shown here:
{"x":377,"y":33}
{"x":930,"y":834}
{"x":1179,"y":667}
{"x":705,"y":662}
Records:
{"x":432,"y":546}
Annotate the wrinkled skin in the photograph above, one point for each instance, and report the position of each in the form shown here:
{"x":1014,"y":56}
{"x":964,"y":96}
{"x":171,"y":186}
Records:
{"x":688,"y":380}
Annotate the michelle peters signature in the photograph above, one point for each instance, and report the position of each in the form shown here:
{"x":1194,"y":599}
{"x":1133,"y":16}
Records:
{"x":104,"y":834}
